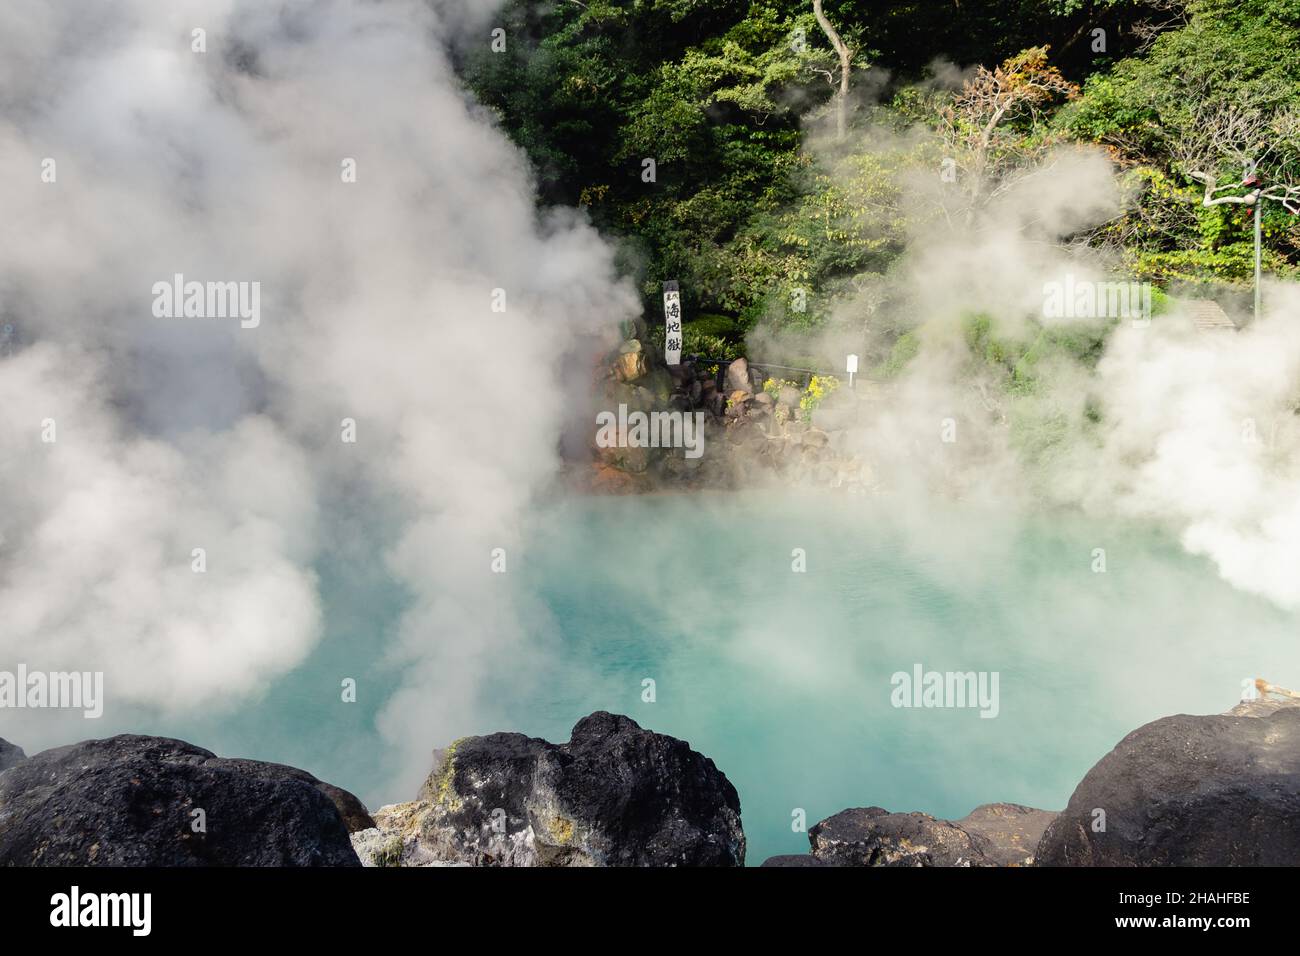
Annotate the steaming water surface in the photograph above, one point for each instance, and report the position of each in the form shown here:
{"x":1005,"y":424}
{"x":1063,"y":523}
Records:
{"x":783,"y":678}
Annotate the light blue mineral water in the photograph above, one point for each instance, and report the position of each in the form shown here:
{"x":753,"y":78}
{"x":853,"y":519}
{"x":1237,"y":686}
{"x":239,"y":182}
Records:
{"x":784,"y":677}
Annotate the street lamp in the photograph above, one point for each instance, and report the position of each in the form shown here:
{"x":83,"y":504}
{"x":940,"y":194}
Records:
{"x":1288,"y":196}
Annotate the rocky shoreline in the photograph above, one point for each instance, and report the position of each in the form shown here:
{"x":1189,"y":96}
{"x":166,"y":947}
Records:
{"x":1215,"y":790}
{"x":757,"y":428}
{"x":1185,"y":790}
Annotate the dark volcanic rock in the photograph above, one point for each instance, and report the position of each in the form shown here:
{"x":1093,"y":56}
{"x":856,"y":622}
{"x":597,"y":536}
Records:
{"x":10,"y":754}
{"x":1221,"y":790}
{"x":353,"y":811}
{"x":996,"y":834}
{"x":1009,"y":832}
{"x":872,"y":836}
{"x":127,"y":801}
{"x":793,"y":859}
{"x":614,"y":795}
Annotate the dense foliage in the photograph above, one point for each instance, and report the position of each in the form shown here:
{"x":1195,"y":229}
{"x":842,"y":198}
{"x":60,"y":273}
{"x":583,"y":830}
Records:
{"x":685,"y":128}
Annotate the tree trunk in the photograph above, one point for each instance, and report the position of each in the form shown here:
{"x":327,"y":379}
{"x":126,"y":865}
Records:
{"x":846,"y":63}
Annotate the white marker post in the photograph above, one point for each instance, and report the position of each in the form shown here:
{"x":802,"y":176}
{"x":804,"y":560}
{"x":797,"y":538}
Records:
{"x":853,"y":368}
{"x":672,"y":323}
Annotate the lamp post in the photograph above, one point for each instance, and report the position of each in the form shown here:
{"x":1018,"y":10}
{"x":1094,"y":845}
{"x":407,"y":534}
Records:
{"x":1288,"y":196}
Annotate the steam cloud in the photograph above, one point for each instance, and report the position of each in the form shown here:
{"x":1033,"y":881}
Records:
{"x":1204,"y":438}
{"x":175,"y":434}
{"x":1198,"y":431}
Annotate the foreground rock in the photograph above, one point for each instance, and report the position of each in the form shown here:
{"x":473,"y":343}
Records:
{"x":1219,"y":790}
{"x":792,"y":859}
{"x":1008,"y":833}
{"x":10,"y":754}
{"x":996,"y":834}
{"x":614,"y":795}
{"x":130,"y":801}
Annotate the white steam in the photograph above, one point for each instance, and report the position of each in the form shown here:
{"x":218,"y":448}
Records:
{"x":175,"y":434}
{"x":1197,"y":431}
{"x":1204,"y":437}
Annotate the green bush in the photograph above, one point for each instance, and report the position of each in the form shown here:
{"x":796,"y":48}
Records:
{"x":905,"y":349}
{"x":714,"y":325}
{"x":697,"y":343}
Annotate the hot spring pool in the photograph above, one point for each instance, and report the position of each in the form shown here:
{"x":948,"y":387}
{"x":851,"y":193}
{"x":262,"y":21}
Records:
{"x":784,"y":678}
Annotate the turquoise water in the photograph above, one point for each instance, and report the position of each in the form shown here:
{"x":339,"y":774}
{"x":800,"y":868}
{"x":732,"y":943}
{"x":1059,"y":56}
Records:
{"x":783,"y":678}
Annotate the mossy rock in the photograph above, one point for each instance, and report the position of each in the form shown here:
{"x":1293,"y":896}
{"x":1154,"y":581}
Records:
{"x":440,"y":787}
{"x":659,"y":383}
{"x":390,"y":854}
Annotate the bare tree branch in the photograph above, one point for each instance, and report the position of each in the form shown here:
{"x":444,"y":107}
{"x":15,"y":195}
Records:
{"x":976,"y":123}
{"x":846,"y":64}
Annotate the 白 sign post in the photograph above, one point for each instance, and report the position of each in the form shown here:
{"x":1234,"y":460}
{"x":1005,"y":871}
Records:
{"x":672,"y":323}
